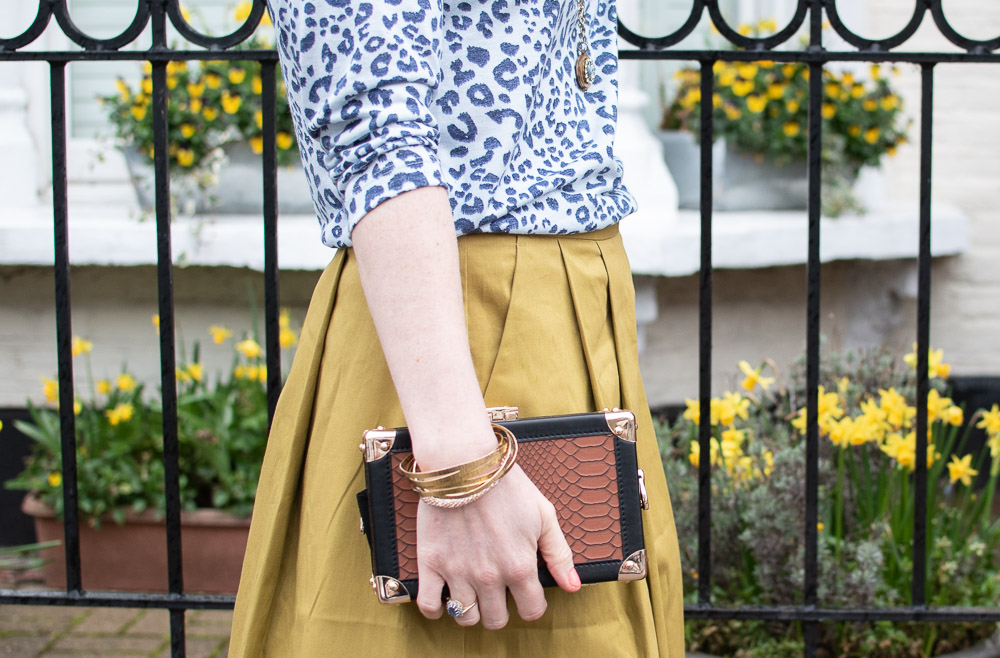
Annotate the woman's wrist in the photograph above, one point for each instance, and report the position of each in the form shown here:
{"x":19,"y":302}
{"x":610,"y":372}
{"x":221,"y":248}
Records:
{"x":451,"y":441}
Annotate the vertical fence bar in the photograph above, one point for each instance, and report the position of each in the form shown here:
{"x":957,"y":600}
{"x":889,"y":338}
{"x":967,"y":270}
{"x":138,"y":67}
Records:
{"x":272,"y":331}
{"x":814,"y":155}
{"x":705,"y":340}
{"x":918,"y":594}
{"x":64,"y":325}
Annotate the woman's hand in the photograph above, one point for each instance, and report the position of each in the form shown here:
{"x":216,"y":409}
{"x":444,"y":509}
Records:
{"x":488,"y":546}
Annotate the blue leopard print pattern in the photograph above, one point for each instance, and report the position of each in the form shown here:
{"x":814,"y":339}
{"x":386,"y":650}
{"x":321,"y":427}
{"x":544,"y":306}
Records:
{"x":478,"y":96}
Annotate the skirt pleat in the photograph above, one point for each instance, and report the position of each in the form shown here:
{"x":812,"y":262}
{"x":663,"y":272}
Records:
{"x":551,"y":324}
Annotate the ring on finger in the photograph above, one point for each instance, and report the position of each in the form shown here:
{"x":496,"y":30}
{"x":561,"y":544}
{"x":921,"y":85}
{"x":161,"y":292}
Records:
{"x":457,"y":609}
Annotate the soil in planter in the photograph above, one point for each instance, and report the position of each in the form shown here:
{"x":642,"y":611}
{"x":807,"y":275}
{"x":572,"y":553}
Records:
{"x":133,"y":557}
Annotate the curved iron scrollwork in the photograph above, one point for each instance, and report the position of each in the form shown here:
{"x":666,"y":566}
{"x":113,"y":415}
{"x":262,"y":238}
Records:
{"x":802,"y":9}
{"x":145,"y":9}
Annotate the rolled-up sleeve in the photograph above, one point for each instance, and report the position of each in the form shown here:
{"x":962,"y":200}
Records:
{"x":360,"y":78}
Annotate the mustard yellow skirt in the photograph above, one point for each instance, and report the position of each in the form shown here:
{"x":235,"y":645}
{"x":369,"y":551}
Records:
{"x":552,"y":327}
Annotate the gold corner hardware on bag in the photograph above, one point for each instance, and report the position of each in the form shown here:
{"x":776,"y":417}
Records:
{"x":633,"y":567}
{"x":377,"y":443}
{"x":499,"y":414}
{"x":389,"y":590}
{"x":621,"y":424}
{"x":643,"y":497}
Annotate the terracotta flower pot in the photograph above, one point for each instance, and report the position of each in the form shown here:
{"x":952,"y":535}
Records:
{"x":133,"y":556}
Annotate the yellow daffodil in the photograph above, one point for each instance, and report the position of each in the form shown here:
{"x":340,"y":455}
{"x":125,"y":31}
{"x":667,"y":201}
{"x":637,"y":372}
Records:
{"x":954,"y":416}
{"x":262,"y":374}
{"x":694,"y":454}
{"x":195,"y":371}
{"x":692,"y":411}
{"x":287,"y":338}
{"x":123,"y":90}
{"x":745,"y":29}
{"x":126,"y":383}
{"x":820,"y":527}
{"x":249,"y":348}
{"x":122,"y":413}
{"x":237,"y":75}
{"x":77,"y":407}
{"x":81,"y":346}
{"x":994,"y":444}
{"x":219,"y":334}
{"x":756,"y":104}
{"x":181,"y":375}
{"x":990,"y":421}
{"x":257,"y":144}
{"x":185,"y":14}
{"x":935,"y":365}
{"x":768,"y":457}
{"x":185,"y":157}
{"x":50,"y":389}
{"x":791,"y":129}
{"x":767,"y":25}
{"x":731,"y":406}
{"x":156,"y":323}
{"x":240,"y":372}
{"x":937,"y":406}
{"x":242,"y":11}
{"x":753,"y":377}
{"x":961,"y":469}
{"x":54,"y":479}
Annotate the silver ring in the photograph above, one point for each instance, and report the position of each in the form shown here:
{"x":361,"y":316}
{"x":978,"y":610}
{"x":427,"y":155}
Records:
{"x":457,"y":609}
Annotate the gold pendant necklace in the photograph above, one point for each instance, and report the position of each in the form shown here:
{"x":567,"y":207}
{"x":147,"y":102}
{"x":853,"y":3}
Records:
{"x":586,"y":71}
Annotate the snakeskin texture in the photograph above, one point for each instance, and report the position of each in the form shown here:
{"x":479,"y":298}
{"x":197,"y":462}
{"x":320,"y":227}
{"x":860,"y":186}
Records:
{"x":578,"y":477}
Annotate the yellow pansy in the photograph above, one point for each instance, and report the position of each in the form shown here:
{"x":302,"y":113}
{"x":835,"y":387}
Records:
{"x":185,"y":14}
{"x":256,"y":84}
{"x":284,"y":140}
{"x":196,"y":105}
{"x":147,"y":85}
{"x":727,"y":77}
{"x":876,"y":71}
{"x":742,"y":87}
{"x":791,"y":129}
{"x":231,"y":102}
{"x":747,"y":71}
{"x":829,"y":110}
{"x":847,"y":79}
{"x":171,"y":81}
{"x":258,"y":118}
{"x":792,"y":105}
{"x":788,"y":70}
{"x":156,"y":323}
{"x":210,"y":113}
{"x":767,"y":25}
{"x":185,"y":157}
{"x":188,"y":130}
{"x":858,"y":90}
{"x":869,"y":105}
{"x":745,"y":29}
{"x":775,"y":91}
{"x":832,"y":89}
{"x":257,"y":144}
{"x":237,"y":75}
{"x":242,"y":11}
{"x":213,"y":80}
{"x":889,"y":102}
{"x":854,"y":130}
{"x":249,"y":348}
{"x":961,"y":469}
{"x":766,"y":64}
{"x":196,"y":89}
{"x":732,"y":113}
{"x":138,"y":112}
{"x":756,"y":104}
{"x":54,"y":479}
{"x":81,"y":346}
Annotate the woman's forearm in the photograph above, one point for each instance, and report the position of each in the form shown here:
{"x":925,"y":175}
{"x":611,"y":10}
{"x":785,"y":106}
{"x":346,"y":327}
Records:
{"x":407,"y":257}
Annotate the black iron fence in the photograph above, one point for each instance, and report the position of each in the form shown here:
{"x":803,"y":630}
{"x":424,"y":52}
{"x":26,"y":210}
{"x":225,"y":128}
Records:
{"x":809,"y":14}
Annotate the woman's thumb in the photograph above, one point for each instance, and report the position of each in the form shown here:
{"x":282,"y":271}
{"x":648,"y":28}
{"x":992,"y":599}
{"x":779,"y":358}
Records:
{"x":556,"y":553}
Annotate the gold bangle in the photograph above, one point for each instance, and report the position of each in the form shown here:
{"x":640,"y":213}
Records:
{"x":460,"y":485}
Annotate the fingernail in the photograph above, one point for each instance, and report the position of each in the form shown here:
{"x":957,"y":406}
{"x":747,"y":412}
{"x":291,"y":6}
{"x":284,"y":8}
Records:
{"x":574,"y":579}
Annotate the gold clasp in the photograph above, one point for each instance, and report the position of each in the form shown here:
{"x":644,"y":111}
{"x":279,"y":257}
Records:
{"x":643,"y":498}
{"x":498,"y":414}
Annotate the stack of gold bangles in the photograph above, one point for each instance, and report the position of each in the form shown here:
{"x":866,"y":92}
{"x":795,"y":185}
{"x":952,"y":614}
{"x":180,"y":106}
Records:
{"x":460,"y":485}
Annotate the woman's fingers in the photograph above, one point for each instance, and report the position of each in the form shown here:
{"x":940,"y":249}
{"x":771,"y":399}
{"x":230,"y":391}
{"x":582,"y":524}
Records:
{"x":429,"y":594}
{"x":556,"y":552}
{"x":528,"y":596}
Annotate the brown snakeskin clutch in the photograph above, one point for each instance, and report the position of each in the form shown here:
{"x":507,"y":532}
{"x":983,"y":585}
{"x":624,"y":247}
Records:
{"x":585,"y":464}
